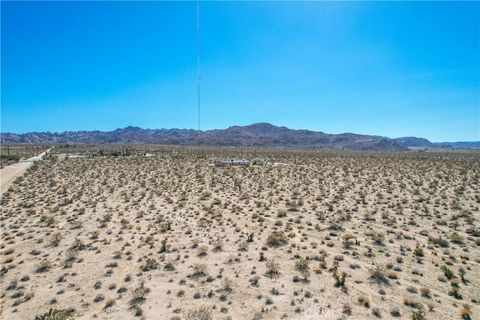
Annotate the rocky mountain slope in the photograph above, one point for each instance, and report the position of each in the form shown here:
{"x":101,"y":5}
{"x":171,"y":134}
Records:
{"x":254,"y":135}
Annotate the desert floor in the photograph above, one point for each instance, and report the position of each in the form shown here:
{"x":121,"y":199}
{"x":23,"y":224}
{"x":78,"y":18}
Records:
{"x":308,"y":235}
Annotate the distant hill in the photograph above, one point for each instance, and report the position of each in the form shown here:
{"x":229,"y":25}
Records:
{"x":414,"y":142}
{"x":459,"y":144}
{"x":254,"y":135}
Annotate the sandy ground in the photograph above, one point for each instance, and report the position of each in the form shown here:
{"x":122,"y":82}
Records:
{"x":9,"y":173}
{"x":322,"y":236}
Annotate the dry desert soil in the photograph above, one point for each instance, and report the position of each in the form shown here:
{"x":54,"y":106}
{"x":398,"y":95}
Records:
{"x":307,"y":235}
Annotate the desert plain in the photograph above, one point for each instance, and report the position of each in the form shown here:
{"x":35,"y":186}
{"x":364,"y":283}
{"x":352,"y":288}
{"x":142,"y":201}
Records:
{"x":161,"y":233}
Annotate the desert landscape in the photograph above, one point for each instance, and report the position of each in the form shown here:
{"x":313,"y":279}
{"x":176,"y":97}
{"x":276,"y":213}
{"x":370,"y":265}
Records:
{"x":157,"y":232}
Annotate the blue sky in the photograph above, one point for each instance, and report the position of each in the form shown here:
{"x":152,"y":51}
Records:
{"x":393,"y":69}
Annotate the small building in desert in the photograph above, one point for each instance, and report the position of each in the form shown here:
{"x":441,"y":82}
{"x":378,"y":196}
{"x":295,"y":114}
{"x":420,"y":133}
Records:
{"x":232,"y":163}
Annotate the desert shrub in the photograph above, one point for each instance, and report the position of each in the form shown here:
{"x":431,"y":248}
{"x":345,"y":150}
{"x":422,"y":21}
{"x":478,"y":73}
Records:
{"x":439,"y":242}
{"x":138,"y":296}
{"x":56,"y":314}
{"x":109,"y":303}
{"x":227,"y":285}
{"x":419,"y":315}
{"x":339,"y":279}
{"x":55,"y":241}
{"x":202,"y":251}
{"x":455,"y":292}
{"x":456,"y":238}
{"x":409,"y":301}
{"x":466,"y":312}
{"x":150,"y":264}
{"x":200,"y":313}
{"x":378,"y":275}
{"x":243,"y":246}
{"x":277,"y":239}
{"x":418,"y":252}
{"x":447,"y":272}
{"x":165,"y":226}
{"x":163,"y":245}
{"x":254,"y":281}
{"x":302,"y":265}
{"x":43,"y":266}
{"x":77,"y":245}
{"x":378,"y":237}
{"x":364,"y":300}
{"x":425,"y":292}
{"x":272,"y":268}
{"x":199,"y":270}
{"x":218,"y":245}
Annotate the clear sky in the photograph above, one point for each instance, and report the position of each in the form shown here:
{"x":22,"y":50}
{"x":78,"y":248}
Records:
{"x":393,"y":69}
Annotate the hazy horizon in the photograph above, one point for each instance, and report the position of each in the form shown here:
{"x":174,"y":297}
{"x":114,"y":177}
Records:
{"x":390,"y":69}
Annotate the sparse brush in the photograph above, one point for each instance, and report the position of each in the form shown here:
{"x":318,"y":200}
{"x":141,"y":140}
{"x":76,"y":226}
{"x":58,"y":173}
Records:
{"x":378,"y":238}
{"x":56,"y":314}
{"x":418,"y":252}
{"x":439,"y":242}
{"x":243,"y":246}
{"x":411,"y":302}
{"x":462,"y":272}
{"x":43,"y":266}
{"x":364,"y":300}
{"x":456,"y":238}
{"x":272,"y":268}
{"x":77,"y":245}
{"x":339,"y":278}
{"x":202,"y":251}
{"x":163,"y":245}
{"x":302,"y":264}
{"x":218,"y":246}
{"x":447,"y":272}
{"x":425,"y":292}
{"x":466,"y":312}
{"x":455,"y":292}
{"x":150,"y":264}
{"x":254,"y":281}
{"x":227,"y":285}
{"x":199,"y":270}
{"x":349,"y":241}
{"x":200,"y":313}
{"x":70,"y":256}
{"x":137,"y":297}
{"x":419,"y":314}
{"x":109,"y":303}
{"x":277,"y":239}
{"x":55,"y":241}
{"x":378,"y":275}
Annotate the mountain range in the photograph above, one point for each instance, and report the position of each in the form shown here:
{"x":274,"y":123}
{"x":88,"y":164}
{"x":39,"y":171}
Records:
{"x":254,"y":135}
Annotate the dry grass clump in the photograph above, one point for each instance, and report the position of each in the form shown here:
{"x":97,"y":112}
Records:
{"x":56,"y":314}
{"x":137,"y":298}
{"x":277,"y":239}
{"x":364,"y":300}
{"x":200,"y":313}
{"x":272,"y":268}
{"x":378,"y":275}
{"x":466,"y":312}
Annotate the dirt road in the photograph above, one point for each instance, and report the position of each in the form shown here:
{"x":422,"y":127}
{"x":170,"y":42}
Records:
{"x":13,"y":171}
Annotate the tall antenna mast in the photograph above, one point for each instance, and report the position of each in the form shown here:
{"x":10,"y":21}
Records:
{"x":198,"y":64}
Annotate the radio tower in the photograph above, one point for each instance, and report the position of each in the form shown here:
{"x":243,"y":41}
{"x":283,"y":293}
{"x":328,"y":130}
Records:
{"x":198,"y":65}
